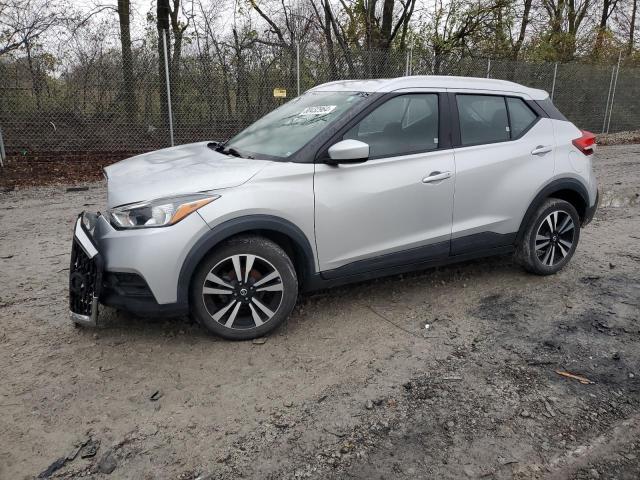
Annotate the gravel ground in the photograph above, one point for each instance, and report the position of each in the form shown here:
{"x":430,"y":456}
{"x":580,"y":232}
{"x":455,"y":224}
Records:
{"x":619,"y":138}
{"x":352,"y":386}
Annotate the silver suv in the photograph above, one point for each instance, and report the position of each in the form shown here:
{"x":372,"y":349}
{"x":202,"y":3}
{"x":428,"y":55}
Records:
{"x":350,"y":181}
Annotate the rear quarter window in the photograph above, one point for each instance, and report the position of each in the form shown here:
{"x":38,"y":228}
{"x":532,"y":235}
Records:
{"x":551,"y":110}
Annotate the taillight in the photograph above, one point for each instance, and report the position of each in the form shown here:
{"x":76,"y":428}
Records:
{"x":586,"y":143}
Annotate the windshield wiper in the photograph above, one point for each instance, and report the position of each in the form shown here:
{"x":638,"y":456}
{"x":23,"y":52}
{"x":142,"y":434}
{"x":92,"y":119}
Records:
{"x":231,"y":151}
{"x":220,"y":147}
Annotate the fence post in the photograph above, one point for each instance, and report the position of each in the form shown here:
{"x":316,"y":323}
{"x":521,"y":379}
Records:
{"x":553,"y":85}
{"x":2,"y":152}
{"x":488,"y":66}
{"x":613,"y":92}
{"x":298,"y":65}
{"x":411,"y":58}
{"x":166,"y":74}
{"x":606,"y":108}
{"x":406,"y":65}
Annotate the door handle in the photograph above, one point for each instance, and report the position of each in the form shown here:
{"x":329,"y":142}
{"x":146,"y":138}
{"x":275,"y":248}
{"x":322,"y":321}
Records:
{"x":436,"y":177}
{"x":541,"y":149}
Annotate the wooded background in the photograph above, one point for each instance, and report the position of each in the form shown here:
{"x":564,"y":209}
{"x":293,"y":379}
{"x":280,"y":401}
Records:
{"x":91,"y":78}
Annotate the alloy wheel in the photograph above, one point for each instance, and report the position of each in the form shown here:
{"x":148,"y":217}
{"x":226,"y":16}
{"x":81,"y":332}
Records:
{"x":242,"y":291}
{"x":554,"y":238}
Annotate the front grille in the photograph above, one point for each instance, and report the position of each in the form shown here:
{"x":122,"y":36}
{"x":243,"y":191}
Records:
{"x":84,"y":280}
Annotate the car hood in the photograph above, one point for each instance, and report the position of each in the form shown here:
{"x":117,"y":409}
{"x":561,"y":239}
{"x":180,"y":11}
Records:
{"x":177,"y":170}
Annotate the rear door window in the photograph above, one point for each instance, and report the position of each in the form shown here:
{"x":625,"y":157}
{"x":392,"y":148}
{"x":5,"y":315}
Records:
{"x":483,"y":119}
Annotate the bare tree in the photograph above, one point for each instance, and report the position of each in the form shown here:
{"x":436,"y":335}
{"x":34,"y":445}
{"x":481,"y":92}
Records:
{"x":24,"y":21}
{"x":290,"y":25}
{"x":212,"y":50}
{"x":324,"y":17}
{"x":331,"y":27}
{"x":454,"y":26}
{"x":381,"y":30}
{"x":565,"y":19}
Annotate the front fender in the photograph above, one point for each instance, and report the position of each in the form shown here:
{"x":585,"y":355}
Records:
{"x":236,"y":226}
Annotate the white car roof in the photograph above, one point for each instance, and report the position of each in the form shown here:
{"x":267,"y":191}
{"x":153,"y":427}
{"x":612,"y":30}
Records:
{"x":431,"y":81}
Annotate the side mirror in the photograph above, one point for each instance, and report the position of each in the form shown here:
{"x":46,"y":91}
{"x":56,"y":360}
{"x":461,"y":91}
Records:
{"x":348,"y":151}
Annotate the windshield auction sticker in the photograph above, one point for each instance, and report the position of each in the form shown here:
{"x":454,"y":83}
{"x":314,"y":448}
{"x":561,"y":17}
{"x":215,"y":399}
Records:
{"x":318,"y":110}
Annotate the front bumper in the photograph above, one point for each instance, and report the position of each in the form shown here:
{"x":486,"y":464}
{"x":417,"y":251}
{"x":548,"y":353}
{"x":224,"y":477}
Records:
{"x":85,"y":276}
{"x":139,"y":269}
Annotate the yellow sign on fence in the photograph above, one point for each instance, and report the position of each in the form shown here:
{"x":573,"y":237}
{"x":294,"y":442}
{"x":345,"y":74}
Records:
{"x":280,"y":92}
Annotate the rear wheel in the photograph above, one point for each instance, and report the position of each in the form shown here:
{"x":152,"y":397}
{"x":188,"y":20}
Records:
{"x":244,"y":289}
{"x":551,"y":238}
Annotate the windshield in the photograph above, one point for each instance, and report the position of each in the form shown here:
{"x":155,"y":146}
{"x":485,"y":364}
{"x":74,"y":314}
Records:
{"x":287,"y":129}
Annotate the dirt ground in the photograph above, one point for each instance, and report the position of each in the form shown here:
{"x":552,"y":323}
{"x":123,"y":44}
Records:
{"x":353,"y":386}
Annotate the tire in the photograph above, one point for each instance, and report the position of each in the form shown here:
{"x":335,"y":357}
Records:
{"x":551,"y":238}
{"x":248,"y":305}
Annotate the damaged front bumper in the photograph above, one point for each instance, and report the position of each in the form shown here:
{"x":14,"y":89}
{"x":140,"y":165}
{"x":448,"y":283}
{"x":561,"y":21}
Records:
{"x":85,"y":272}
{"x":135,"y":270}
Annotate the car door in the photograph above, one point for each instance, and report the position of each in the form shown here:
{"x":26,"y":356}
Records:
{"x":396,"y":207}
{"x":505,"y":153}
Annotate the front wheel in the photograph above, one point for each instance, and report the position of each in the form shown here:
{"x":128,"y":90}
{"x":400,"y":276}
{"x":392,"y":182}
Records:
{"x":244,"y":289}
{"x":551,"y":238}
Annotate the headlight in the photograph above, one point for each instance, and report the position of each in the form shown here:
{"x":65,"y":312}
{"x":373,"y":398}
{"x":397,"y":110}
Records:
{"x":159,"y":213}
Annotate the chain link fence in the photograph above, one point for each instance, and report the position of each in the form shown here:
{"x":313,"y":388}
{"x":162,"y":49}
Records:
{"x":84,"y":109}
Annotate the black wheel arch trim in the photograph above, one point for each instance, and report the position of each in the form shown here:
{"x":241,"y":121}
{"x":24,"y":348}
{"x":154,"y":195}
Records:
{"x":236,"y":226}
{"x":548,"y":191}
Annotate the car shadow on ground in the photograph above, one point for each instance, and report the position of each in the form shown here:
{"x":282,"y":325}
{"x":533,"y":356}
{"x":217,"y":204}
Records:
{"x":113,"y":323}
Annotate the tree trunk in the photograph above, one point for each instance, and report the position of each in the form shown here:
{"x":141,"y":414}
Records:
{"x":557,"y":34}
{"x":242,"y":91}
{"x":632,"y":27}
{"x":405,"y":26}
{"x":128,"y":90}
{"x":225,"y":77}
{"x":387,"y":23}
{"x":602,"y":28}
{"x":437,"y":60}
{"x":346,"y":51}
{"x":331,"y":55}
{"x":35,"y":75}
{"x":515,"y":50}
